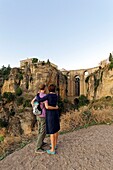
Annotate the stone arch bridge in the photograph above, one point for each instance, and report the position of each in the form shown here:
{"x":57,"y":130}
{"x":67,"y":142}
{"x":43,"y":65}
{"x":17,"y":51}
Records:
{"x":76,"y":85}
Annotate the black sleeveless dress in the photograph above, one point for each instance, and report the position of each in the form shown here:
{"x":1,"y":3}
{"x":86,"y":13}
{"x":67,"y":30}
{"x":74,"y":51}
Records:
{"x":52,"y":116}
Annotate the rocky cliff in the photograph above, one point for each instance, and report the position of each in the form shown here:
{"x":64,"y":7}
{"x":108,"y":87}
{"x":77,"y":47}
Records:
{"x":100,"y":83}
{"x":15,"y":108}
{"x":30,"y":75}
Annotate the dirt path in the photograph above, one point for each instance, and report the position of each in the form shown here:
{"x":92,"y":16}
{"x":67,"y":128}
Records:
{"x":86,"y":149}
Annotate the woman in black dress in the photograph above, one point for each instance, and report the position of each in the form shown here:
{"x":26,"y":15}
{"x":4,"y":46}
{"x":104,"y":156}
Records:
{"x":52,"y":117}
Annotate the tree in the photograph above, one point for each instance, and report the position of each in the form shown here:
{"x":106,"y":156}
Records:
{"x":34,"y":60}
{"x":110,"y":57}
{"x":111,"y":61}
{"x":5,"y":71}
{"x":48,"y":62}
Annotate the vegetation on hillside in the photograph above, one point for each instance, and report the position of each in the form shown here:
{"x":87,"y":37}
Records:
{"x":34,"y":60}
{"x":96,"y":112}
{"x":97,"y":80}
{"x":4,"y":72}
{"x":111,"y":61}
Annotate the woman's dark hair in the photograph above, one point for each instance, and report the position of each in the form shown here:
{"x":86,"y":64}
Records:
{"x":52,"y":88}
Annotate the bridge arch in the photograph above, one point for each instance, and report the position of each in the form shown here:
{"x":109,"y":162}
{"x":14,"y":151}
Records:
{"x":77,"y":85}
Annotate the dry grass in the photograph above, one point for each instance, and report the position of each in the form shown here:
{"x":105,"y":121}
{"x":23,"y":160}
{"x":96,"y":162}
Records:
{"x":74,"y":119}
{"x":103,"y":116}
{"x":71,"y":120}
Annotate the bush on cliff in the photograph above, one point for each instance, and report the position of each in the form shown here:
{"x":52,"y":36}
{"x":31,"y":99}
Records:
{"x":18,"y":91}
{"x":9,"y":96}
{"x":83,"y":101}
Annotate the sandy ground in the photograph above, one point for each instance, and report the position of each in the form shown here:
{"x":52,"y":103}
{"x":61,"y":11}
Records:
{"x":85,"y":149}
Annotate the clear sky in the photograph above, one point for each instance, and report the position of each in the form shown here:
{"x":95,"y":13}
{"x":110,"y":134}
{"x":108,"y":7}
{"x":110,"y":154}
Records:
{"x":72,"y":34}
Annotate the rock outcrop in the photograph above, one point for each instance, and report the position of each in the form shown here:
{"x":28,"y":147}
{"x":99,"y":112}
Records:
{"x":30,"y":75}
{"x":16,"y":115}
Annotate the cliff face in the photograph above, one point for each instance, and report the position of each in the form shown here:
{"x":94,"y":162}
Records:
{"x":100,"y":83}
{"x":17,"y":113}
{"x":12,"y":82}
{"x":30,"y":76}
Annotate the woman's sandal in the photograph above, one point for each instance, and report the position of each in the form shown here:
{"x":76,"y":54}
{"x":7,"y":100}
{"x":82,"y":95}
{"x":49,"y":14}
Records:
{"x":49,"y":152}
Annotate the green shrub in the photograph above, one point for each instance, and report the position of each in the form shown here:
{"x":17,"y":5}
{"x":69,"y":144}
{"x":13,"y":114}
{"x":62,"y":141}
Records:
{"x":111,"y":65}
{"x":34,"y":60}
{"x":3,"y":123}
{"x":111,"y":61}
{"x":83,"y":101}
{"x":1,"y":84}
{"x":11,"y":112}
{"x":48,"y":62}
{"x":65,"y":101}
{"x":1,"y":138}
{"x":20,"y":76}
{"x":9,"y":96}
{"x":18,"y":91}
{"x":19,"y":101}
{"x":110,"y":57}
{"x":20,"y":110}
{"x":27,"y":103}
{"x":5,"y":71}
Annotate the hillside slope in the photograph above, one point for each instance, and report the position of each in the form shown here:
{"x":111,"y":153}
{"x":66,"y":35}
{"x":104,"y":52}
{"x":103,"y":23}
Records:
{"x":85,"y":149}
